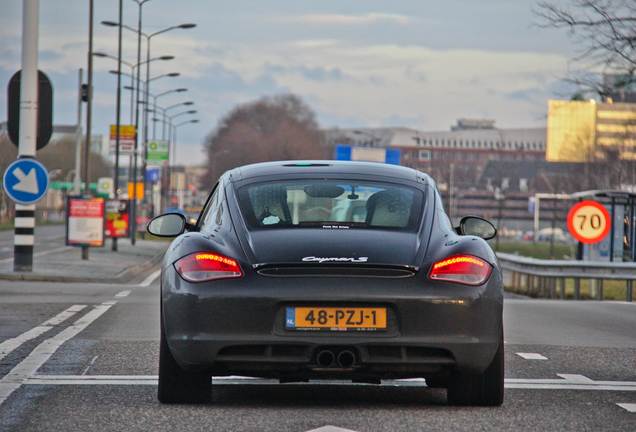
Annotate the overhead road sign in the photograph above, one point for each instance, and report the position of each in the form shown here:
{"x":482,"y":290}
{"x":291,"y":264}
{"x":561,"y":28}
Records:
{"x":26,"y":181}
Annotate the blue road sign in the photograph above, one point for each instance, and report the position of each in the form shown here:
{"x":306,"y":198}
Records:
{"x":153,"y":174}
{"x":26,"y":181}
{"x":369,"y":154}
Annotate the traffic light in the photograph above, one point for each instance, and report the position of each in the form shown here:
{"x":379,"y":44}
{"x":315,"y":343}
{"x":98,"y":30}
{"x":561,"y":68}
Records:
{"x":84,"y":92}
{"x":45,"y":109}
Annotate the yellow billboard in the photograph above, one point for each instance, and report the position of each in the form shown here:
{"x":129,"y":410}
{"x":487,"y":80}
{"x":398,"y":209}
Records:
{"x":584,"y":131}
{"x":571,"y":131}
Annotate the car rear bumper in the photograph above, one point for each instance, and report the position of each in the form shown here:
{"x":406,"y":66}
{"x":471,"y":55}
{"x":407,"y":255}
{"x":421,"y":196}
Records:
{"x":237,"y":326}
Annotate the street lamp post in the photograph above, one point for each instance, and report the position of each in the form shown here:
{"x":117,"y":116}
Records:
{"x":165,"y":116}
{"x":171,"y":153}
{"x":154,"y":104}
{"x":147,"y":90}
{"x":374,"y":138}
{"x":133,"y":210}
{"x":119,"y":73}
{"x":132,"y":88}
{"x":145,"y":145}
{"x":174,"y":136}
{"x":147,"y":87}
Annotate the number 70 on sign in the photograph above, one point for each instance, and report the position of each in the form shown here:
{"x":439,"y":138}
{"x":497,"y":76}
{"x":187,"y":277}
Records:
{"x":589,"y":222}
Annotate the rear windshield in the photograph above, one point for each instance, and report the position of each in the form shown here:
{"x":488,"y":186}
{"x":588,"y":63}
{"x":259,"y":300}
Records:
{"x":330,"y":203}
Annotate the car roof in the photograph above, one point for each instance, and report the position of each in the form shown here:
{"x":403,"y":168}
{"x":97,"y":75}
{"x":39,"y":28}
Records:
{"x":327,"y":167}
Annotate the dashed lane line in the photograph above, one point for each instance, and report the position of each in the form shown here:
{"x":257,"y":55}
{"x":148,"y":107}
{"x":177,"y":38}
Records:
{"x":9,"y":345}
{"x":146,"y":282}
{"x":29,"y":366}
{"x":631,"y":407}
{"x":532,"y":356}
{"x":330,"y":428}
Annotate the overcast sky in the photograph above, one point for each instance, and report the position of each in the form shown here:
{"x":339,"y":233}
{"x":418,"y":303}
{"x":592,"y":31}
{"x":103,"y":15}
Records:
{"x":358,"y":63}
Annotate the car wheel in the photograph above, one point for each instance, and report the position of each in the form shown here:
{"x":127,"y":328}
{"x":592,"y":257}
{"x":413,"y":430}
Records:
{"x":485,"y":389}
{"x":177,"y":385}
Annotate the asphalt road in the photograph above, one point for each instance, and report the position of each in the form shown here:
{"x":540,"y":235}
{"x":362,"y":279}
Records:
{"x":83,"y":357}
{"x":47,"y":240}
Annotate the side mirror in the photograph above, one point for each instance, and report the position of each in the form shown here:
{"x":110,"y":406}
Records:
{"x":167,"y":225}
{"x":476,"y":226}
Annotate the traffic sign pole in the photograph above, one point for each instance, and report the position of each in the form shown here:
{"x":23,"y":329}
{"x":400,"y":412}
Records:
{"x":25,"y":213}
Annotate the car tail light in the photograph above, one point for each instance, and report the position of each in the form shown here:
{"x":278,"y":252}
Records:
{"x":205,"y":266}
{"x":463,"y":269}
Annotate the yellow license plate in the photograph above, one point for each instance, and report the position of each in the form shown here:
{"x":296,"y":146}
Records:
{"x":335,"y":318}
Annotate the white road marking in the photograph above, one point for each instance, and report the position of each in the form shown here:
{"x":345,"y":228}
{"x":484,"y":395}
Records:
{"x":576,"y":379}
{"x":331,"y":429}
{"x":123,"y":294}
{"x":532,"y":356}
{"x":567,"y":384}
{"x":29,"y":366}
{"x":9,"y":345}
{"x":631,"y":407}
{"x":150,"y":278}
{"x":89,"y":365}
{"x":91,"y":380}
{"x":510,"y":383}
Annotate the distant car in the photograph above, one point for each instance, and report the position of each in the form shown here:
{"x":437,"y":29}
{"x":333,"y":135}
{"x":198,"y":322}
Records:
{"x":329,"y":270}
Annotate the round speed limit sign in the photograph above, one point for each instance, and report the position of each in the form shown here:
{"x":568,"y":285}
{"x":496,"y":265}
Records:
{"x":589,"y":222}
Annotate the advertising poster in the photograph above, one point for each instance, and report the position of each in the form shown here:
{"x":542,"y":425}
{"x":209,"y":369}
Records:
{"x":157,"y":152}
{"x":126,"y":140}
{"x":117,"y":218}
{"x":85,"y":222}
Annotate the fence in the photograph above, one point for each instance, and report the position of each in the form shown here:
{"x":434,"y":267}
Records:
{"x":546,"y":278}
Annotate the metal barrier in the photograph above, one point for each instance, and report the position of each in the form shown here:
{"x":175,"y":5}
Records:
{"x":543,"y":276}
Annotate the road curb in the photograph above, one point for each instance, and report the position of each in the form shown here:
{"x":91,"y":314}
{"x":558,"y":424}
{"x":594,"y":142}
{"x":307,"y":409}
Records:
{"x":123,"y":276}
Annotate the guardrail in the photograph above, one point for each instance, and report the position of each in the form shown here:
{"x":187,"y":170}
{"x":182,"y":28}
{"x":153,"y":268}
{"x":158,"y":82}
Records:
{"x":546,"y":278}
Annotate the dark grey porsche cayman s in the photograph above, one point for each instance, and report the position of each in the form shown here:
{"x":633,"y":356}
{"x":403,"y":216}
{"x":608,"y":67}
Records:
{"x":329,"y":270}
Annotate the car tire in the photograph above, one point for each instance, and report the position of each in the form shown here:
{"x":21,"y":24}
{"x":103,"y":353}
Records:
{"x":176,"y":385}
{"x":484,"y":389}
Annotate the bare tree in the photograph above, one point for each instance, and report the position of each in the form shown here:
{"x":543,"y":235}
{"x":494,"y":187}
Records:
{"x":606,"y":32}
{"x":271,"y":128}
{"x":60,"y":154}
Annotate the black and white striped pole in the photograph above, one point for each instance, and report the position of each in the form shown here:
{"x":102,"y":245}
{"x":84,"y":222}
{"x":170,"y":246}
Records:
{"x":30,"y":97}
{"x":24,"y":237}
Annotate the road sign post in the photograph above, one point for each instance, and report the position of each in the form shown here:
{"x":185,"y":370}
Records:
{"x":25,"y":211}
{"x":589,"y":222}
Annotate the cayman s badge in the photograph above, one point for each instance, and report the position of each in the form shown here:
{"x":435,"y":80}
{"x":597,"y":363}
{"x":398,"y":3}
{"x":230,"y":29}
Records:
{"x":334,"y":259}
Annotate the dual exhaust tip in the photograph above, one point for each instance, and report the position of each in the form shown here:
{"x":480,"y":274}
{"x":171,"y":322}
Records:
{"x":344,"y":359}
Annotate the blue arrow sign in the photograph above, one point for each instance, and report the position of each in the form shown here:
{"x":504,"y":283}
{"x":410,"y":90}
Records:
{"x":26,"y":181}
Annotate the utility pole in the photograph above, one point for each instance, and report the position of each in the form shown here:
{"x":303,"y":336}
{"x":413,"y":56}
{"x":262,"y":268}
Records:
{"x":89,"y":112}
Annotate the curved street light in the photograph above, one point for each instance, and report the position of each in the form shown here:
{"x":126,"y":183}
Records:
{"x":154,"y":104}
{"x":132,"y":71}
{"x":374,"y":138}
{"x":148,"y":37}
{"x":165,"y":116}
{"x":174,"y":140}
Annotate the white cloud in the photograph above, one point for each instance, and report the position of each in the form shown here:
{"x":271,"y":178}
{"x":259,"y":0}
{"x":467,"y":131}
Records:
{"x":359,"y":63}
{"x":349,"y":20}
